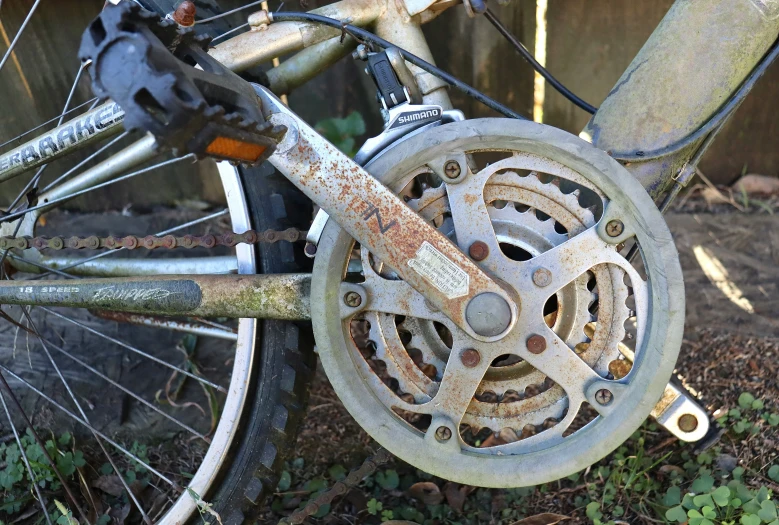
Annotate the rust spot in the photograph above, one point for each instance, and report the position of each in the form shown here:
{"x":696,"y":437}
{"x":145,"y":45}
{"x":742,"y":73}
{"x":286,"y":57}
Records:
{"x":470,"y":357}
{"x":536,"y":344}
{"x":478,"y":251}
{"x":184,"y":15}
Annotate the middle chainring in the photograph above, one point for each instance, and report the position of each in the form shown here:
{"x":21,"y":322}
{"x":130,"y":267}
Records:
{"x":610,"y":334}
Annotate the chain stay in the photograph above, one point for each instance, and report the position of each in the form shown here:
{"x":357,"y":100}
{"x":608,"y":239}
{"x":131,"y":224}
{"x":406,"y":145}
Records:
{"x":354,"y":478}
{"x":151,"y":242}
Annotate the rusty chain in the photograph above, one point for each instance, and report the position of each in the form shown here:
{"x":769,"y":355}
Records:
{"x":340,"y":488}
{"x":151,"y":242}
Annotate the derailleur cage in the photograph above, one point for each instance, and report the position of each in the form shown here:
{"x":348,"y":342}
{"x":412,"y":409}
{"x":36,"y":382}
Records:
{"x":167,"y":84}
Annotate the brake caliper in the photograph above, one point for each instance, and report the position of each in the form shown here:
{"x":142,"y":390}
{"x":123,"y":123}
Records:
{"x":167,"y":84}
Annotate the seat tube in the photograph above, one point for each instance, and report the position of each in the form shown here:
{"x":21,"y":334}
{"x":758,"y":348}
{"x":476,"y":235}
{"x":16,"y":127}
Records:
{"x":397,"y":26}
{"x":695,"y":60}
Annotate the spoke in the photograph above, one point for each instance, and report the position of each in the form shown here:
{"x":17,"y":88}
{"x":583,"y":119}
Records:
{"x":60,"y":117}
{"x":98,"y":186}
{"x":134,"y":350}
{"x":228,"y":13}
{"x":128,"y":392}
{"x":111,"y":252}
{"x":41,"y":266}
{"x":230,"y":32}
{"x":19,"y":34}
{"x":83,"y":414}
{"x":85,"y":161}
{"x":40,"y":443}
{"x":41,"y":501}
{"x":92,"y":429}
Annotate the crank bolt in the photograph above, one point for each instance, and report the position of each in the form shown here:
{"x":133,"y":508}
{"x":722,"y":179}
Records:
{"x":443,"y":433}
{"x":604,"y":397}
{"x":688,"y":423}
{"x":542,"y":277}
{"x":479,"y":251}
{"x":615,"y":228}
{"x":470,"y":358}
{"x":352,"y":299}
{"x":536,"y":344}
{"x":184,"y":15}
{"x":452,"y":169}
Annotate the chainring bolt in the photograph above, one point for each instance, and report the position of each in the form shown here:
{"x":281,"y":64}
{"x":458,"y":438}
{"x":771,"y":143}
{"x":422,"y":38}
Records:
{"x":184,"y":15}
{"x":452,"y":169}
{"x":352,"y":299}
{"x":615,"y":228}
{"x":470,"y":357}
{"x":310,"y":249}
{"x":542,"y":277}
{"x":688,"y":423}
{"x":479,"y":251}
{"x":536,"y":344}
{"x":443,"y":433}
{"x":604,"y":397}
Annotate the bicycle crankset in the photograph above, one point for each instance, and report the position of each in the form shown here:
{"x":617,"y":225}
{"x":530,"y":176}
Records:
{"x":549,"y":219}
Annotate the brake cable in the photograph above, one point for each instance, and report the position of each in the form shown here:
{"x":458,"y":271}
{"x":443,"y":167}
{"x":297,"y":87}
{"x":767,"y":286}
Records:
{"x":367,"y":36}
{"x":522,"y":50}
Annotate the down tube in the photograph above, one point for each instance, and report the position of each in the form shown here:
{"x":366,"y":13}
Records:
{"x":695,"y":59}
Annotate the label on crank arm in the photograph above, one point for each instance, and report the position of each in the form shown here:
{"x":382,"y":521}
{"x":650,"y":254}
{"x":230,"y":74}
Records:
{"x":435,"y":267}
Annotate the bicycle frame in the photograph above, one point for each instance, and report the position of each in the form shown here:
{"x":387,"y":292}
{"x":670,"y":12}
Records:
{"x":736,"y":33}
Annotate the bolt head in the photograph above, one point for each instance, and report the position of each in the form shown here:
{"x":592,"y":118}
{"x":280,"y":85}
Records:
{"x":536,"y":344}
{"x":443,"y":433}
{"x":542,"y":277}
{"x":615,"y":228}
{"x":452,"y":169}
{"x":479,"y":251}
{"x":470,"y":357}
{"x":604,"y":396}
{"x":688,"y":423}
{"x":184,"y":15}
{"x":352,"y":299}
{"x":310,"y":249}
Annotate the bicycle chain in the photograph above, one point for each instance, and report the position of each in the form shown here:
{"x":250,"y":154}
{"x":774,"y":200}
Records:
{"x":368,"y":467}
{"x":151,"y":242}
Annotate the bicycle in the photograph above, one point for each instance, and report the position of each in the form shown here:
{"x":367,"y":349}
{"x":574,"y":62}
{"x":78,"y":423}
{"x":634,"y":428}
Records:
{"x":506,"y":275}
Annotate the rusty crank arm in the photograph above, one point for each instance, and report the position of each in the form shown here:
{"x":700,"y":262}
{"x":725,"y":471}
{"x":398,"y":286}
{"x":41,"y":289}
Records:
{"x":390,"y":230}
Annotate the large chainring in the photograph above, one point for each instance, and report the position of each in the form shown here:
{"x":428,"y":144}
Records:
{"x":516,"y":416}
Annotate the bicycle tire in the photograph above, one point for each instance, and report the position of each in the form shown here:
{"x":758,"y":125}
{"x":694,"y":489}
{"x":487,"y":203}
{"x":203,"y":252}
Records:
{"x":285,"y":366}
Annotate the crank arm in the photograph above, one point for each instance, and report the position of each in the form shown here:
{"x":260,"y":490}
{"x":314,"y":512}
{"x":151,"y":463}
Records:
{"x":272,"y":296}
{"x":390,"y":230}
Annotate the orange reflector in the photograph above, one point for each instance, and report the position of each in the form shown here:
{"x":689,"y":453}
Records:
{"x":228,"y":148}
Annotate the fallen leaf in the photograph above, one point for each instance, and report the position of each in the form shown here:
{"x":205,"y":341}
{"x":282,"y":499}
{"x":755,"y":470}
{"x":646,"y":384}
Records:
{"x":754,"y":183}
{"x":120,"y":514}
{"x":427,"y":492}
{"x":109,"y":484}
{"x":456,"y":495}
{"x":546,"y":518}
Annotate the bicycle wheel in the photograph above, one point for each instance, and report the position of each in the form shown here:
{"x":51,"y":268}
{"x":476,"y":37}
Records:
{"x":237,"y":454}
